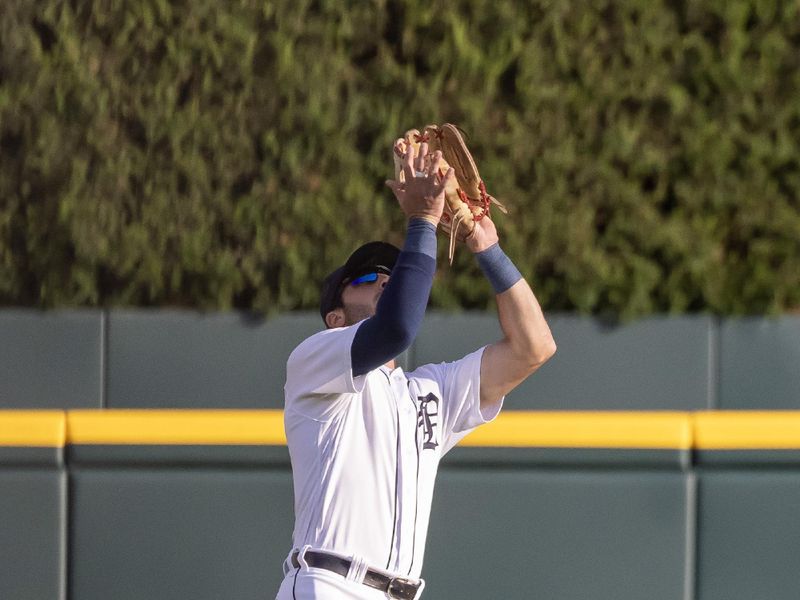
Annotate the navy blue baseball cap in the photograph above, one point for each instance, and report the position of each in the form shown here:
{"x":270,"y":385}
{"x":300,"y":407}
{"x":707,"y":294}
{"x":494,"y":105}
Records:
{"x":373,"y":256}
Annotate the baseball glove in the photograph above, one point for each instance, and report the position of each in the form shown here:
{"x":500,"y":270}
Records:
{"x":466,"y":199}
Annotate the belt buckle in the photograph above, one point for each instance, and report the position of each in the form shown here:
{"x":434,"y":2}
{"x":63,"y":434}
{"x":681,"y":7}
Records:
{"x":401,"y":588}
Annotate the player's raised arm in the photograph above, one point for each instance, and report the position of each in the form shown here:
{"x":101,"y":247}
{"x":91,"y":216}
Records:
{"x":401,"y":305}
{"x":527,"y":341}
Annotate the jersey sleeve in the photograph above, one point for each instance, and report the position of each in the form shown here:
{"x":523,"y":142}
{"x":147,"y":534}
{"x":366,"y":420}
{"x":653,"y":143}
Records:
{"x":319,"y":372}
{"x":460,"y":385}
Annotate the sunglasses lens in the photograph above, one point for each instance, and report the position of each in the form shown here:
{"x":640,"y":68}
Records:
{"x":368,"y":278}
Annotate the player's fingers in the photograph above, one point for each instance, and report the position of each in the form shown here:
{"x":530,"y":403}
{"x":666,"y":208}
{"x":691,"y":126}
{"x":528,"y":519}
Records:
{"x":408,"y":163}
{"x":423,"y":152}
{"x":445,"y":180}
{"x":437,"y":158}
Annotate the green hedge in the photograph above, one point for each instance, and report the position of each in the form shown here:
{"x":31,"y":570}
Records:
{"x":218,"y":155}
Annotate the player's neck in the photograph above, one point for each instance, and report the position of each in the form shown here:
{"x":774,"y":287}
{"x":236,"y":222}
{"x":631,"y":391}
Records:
{"x":391,"y":365}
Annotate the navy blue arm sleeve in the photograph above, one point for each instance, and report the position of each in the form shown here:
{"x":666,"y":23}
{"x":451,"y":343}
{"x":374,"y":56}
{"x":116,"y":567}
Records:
{"x":401,"y":308}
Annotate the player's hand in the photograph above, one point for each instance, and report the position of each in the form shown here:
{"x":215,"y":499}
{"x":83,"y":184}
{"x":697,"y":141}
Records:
{"x":484,"y":235}
{"x":421,"y":193}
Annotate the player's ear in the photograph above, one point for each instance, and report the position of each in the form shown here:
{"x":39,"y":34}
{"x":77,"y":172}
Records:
{"x":335,"y":318}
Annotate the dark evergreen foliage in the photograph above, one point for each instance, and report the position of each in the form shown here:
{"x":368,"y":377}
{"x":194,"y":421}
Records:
{"x":218,"y":154}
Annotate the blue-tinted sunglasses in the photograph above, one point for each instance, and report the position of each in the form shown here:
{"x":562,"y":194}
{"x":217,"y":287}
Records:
{"x":369,"y":277}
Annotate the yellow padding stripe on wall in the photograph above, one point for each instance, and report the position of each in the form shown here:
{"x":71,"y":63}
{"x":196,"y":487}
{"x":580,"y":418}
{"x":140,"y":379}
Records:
{"x":178,"y":427}
{"x":747,"y":430}
{"x":715,"y":430}
{"x":33,"y":428}
{"x":670,"y":430}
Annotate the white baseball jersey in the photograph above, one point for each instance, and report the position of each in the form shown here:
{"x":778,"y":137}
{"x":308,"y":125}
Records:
{"x":365,"y":450}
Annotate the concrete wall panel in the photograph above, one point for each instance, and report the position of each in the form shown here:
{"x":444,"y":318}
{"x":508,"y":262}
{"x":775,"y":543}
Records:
{"x":749,"y":535}
{"x":525,"y":534}
{"x":169,"y":534}
{"x":175,"y":359}
{"x":657,"y":363}
{"x":32,"y":533}
{"x":760,"y":363}
{"x":51,"y":359}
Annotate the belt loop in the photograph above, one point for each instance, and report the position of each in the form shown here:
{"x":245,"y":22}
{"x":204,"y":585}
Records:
{"x":358,"y":569}
{"x":419,"y":589}
{"x":287,"y":564}
{"x":301,"y":556}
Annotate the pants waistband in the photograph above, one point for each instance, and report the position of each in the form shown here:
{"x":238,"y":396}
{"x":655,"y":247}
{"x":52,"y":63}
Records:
{"x":396,"y":588}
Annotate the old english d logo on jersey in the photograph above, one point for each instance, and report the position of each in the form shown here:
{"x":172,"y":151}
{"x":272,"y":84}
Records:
{"x":428,"y":419}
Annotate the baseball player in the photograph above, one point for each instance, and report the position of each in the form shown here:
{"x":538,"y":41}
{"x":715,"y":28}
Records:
{"x":365,"y":438}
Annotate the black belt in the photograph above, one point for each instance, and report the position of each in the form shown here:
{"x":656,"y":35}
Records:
{"x":394,"y":587}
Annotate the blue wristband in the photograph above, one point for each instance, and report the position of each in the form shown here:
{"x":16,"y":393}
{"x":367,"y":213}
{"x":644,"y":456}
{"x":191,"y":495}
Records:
{"x":498,"y":268}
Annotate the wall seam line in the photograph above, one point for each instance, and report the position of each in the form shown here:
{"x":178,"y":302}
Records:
{"x":690,"y":565}
{"x":64,"y":534}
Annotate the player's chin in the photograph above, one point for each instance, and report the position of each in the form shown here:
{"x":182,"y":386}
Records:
{"x":356,"y":314}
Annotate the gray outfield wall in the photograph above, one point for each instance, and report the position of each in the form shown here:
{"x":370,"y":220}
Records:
{"x":178,"y":359}
{"x":173,"y":522}
{"x":209,"y":522}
